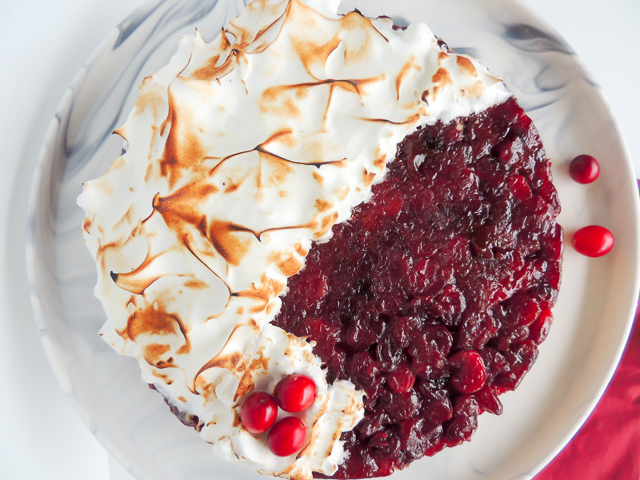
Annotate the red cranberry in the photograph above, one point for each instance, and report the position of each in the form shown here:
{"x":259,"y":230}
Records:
{"x":464,"y":422}
{"x":468,"y":372}
{"x":295,"y":393}
{"x":258,"y":412}
{"x":539,"y":329}
{"x":488,"y":400}
{"x":386,"y":443}
{"x":402,"y":379}
{"x":519,"y":187}
{"x":593,"y":241}
{"x":287,"y":436}
{"x":584,"y":169}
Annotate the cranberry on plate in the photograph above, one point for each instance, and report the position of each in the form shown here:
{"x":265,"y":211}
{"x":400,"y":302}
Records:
{"x":584,"y":169}
{"x":593,"y":241}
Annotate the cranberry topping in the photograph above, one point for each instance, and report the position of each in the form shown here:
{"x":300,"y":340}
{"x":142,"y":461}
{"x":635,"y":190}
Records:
{"x":436,"y":293}
{"x":258,"y":412}
{"x":593,"y":241}
{"x":287,"y":436}
{"x":295,"y":393}
{"x":584,"y":169}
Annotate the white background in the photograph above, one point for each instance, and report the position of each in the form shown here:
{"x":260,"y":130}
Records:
{"x":42,"y":44}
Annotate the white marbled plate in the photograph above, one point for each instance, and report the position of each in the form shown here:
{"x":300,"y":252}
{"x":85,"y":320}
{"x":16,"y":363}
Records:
{"x":592,"y":318}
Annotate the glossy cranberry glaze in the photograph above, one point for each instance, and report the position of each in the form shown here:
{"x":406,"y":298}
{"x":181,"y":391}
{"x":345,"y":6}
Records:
{"x":457,"y":251}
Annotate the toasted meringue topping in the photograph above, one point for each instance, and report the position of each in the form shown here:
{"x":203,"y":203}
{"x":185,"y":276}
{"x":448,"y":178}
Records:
{"x":241,"y":153}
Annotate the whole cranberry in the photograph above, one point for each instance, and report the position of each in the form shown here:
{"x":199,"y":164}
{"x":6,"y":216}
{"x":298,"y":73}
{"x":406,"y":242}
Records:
{"x":539,"y":329}
{"x":468,"y":372}
{"x":584,"y":169}
{"x":402,"y":379}
{"x":258,"y":412}
{"x":295,"y":393}
{"x":593,"y":241}
{"x":287,"y":436}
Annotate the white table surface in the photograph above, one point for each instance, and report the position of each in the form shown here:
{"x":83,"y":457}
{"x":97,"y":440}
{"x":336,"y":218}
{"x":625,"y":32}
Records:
{"x":42,"y":45}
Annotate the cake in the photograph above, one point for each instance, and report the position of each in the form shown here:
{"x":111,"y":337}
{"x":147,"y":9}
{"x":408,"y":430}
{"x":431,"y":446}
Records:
{"x":335,"y":198}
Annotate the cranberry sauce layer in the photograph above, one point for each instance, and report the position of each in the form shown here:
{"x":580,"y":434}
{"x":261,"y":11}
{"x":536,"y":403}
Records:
{"x":434,"y":297}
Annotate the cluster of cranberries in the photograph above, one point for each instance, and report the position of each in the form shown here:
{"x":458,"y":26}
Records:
{"x":593,"y":240}
{"x":434,"y":296}
{"x":259,"y":412}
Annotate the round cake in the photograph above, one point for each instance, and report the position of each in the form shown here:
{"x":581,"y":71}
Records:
{"x":335,"y":223}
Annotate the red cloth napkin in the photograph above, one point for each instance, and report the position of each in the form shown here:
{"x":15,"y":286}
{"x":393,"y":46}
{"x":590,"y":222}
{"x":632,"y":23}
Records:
{"x":607,"y":447}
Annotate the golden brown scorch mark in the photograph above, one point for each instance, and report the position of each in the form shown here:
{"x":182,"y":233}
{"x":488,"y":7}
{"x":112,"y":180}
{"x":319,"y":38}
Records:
{"x":279,"y":101}
{"x":286,"y":263}
{"x":224,"y":238}
{"x":323,"y":205}
{"x":318,"y":178}
{"x":342,"y":194}
{"x":316,"y":431}
{"x":316,"y":53}
{"x":380,"y":161}
{"x":233,"y":362}
{"x":367,"y":177}
{"x":196,"y":284}
{"x":230,"y":362}
{"x":184,"y":208}
{"x":88,"y":221}
{"x":152,"y":320}
{"x":466,"y":66}
{"x":246,"y":37}
{"x":268,"y":289}
{"x":300,"y":250}
{"x":441,"y":79}
{"x":476,"y":90}
{"x":310,"y":53}
{"x":210,"y":70}
{"x":237,"y":421}
{"x":162,"y":376}
{"x":406,"y":70}
{"x":246,"y":382}
{"x":153,"y":353}
{"x":325,"y":225}
{"x":182,"y":148}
